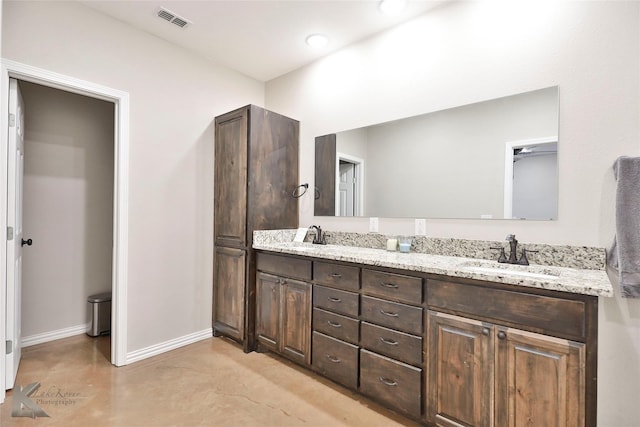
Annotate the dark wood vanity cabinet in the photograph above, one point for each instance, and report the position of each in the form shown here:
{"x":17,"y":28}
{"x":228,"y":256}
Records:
{"x":256,"y":170}
{"x":522,"y":360}
{"x":283,"y":307}
{"x":446,"y":351}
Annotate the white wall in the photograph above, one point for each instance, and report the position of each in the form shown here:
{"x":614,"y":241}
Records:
{"x":465,"y":52}
{"x":68,"y":206}
{"x":174,"y":97}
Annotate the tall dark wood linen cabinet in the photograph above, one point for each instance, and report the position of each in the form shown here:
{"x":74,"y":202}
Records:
{"x":256,"y":171}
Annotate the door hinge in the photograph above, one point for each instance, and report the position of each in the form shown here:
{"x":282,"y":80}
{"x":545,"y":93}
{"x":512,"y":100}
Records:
{"x":12,"y":120}
{"x":9,"y":233}
{"x":9,"y":346}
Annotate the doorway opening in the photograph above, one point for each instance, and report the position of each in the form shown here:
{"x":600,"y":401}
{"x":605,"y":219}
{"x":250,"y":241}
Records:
{"x":531,"y":179}
{"x":11,"y":69}
{"x":349,"y":188}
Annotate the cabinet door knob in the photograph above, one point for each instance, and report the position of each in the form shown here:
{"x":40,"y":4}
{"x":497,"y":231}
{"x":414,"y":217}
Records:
{"x":501,"y":335}
{"x":485,"y":331}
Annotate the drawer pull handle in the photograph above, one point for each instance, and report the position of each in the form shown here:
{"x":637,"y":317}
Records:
{"x":388,"y":314}
{"x":388,"y":382}
{"x":389,"y":285}
{"x":333,"y":359}
{"x":334,"y":299}
{"x":335,"y":325}
{"x":335,"y":275}
{"x":389,"y":342}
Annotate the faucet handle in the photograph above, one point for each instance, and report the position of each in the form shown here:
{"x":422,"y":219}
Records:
{"x":503,"y":256}
{"x":523,"y":258}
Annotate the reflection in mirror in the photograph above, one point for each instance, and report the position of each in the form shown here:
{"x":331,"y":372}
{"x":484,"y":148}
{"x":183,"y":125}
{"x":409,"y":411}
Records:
{"x":492,"y":159}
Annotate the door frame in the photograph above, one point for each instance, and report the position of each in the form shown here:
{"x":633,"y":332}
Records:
{"x":121,"y":192}
{"x":359,"y":173}
{"x":508,"y":167}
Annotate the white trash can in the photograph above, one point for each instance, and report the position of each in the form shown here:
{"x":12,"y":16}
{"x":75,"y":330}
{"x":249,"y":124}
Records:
{"x":99,"y":314}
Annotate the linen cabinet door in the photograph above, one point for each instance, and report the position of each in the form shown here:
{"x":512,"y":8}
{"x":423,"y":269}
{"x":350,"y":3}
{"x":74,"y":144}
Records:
{"x":229,"y":292}
{"x":267,"y":310}
{"x":459,"y":371}
{"x":295,"y":333}
{"x":539,"y":380}
{"x":230,"y":192}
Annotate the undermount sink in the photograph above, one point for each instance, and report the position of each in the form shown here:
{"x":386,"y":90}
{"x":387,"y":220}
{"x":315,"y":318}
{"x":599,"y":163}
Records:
{"x":534,"y":272}
{"x":300,"y":246}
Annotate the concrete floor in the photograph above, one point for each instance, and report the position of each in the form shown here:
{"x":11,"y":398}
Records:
{"x":210,"y":383}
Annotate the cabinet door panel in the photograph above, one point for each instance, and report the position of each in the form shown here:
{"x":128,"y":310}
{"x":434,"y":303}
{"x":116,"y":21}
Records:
{"x":230,"y":194}
{"x":229,"y":292}
{"x":267,"y":312}
{"x":295,"y":332}
{"x":540,"y":380}
{"x":460,"y":371}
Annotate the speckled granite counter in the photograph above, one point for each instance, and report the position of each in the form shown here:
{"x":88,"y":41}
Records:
{"x":575,"y":280}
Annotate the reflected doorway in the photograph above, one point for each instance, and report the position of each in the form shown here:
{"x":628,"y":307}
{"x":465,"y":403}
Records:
{"x":349,"y":191}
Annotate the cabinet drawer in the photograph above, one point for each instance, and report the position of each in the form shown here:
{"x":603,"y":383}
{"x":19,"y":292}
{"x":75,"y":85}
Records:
{"x":336,"y":325}
{"x":546,"y":314}
{"x":336,"y":275}
{"x":392,"y":286}
{"x":392,"y":314}
{"x":336,"y":300}
{"x":335,"y":359}
{"x":296,"y":268}
{"x":396,"y":344}
{"x":397,"y":384}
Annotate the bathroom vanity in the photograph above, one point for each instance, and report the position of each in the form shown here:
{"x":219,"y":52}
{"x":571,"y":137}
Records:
{"x":448,"y":341}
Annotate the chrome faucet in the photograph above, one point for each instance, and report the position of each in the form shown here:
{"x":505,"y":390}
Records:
{"x":320,"y":238}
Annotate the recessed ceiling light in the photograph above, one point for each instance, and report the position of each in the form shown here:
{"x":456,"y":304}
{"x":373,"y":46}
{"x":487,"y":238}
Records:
{"x":392,"y":7}
{"x":317,"y":40}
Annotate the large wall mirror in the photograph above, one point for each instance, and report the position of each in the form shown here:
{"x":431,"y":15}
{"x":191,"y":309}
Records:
{"x":493,"y":159}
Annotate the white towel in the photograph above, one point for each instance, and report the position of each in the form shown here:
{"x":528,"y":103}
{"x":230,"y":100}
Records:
{"x":625,"y":252}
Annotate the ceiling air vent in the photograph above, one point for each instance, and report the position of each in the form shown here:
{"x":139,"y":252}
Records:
{"x":173,"y":18}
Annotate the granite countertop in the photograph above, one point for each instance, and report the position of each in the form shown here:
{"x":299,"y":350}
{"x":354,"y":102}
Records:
{"x":574,"y":280}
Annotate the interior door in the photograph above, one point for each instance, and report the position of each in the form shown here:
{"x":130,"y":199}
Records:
{"x":347,"y":193}
{"x":15,"y":165}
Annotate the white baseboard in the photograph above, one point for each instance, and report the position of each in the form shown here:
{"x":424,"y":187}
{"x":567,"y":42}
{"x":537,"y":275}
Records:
{"x":54,"y":335}
{"x":157,"y":349}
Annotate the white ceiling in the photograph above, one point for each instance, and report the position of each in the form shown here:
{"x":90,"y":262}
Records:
{"x":262,"y":39}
